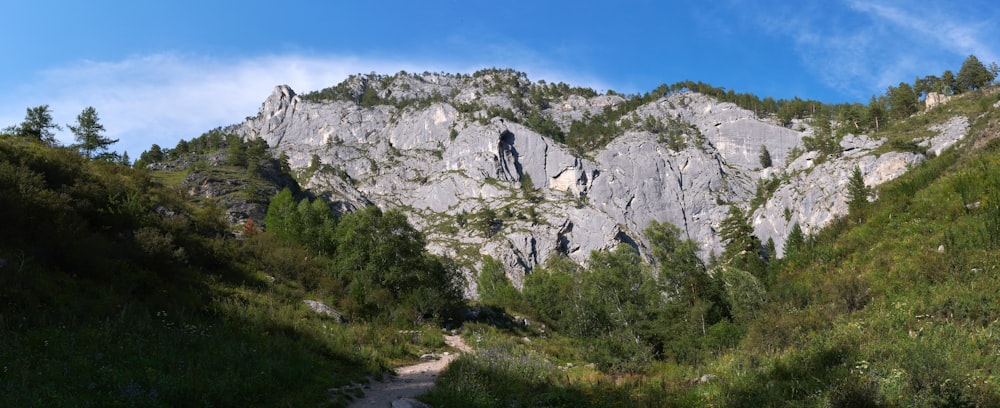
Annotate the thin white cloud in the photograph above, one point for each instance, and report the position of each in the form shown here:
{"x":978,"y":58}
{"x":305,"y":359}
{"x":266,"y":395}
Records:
{"x":861,"y":47}
{"x":162,"y":98}
{"x":957,"y":34}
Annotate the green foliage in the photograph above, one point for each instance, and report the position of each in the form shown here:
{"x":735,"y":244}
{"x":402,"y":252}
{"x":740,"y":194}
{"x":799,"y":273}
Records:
{"x":680,"y":269}
{"x":823,"y":139}
{"x":903,"y":101}
{"x":795,"y":242}
{"x":742,"y":247}
{"x":764,"y":157}
{"x":378,"y":257}
{"x":239,"y":152}
{"x":494,"y":288}
{"x":624,"y":284}
{"x":153,"y":155}
{"x":502,"y":373}
{"x":765,"y":189}
{"x":973,"y":75}
{"x":528,"y":190}
{"x":487,"y":222}
{"x":857,"y":191}
{"x":694,"y":319}
{"x":282,"y":219}
{"x":37,"y":126}
{"x":118,"y":291}
{"x":612,"y":301}
{"x":745,"y":294}
{"x":387,"y":273}
{"x":552,"y":290}
{"x":88,"y":131}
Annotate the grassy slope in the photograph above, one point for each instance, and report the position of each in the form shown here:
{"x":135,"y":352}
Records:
{"x":107,"y":301}
{"x":895,"y":305}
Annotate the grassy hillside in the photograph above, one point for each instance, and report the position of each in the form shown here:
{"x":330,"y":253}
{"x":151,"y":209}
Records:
{"x":893,"y":305}
{"x":118,"y":291}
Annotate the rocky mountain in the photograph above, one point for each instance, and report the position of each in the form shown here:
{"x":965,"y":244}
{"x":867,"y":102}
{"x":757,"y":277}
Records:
{"x":477,"y":163}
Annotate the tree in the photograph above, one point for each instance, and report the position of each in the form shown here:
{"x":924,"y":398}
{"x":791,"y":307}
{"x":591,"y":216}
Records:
{"x":282,"y":218}
{"x":528,"y":188}
{"x":249,"y":228}
{"x":695,"y":301}
{"x":822,"y":139}
{"x":554,"y":291}
{"x":850,"y":118}
{"x":88,"y":131}
{"x":381,"y":259}
{"x":765,"y":157}
{"x":926,"y":84}
{"x":37,"y":125}
{"x":315,"y":223}
{"x":153,"y":155}
{"x":286,"y":168}
{"x":620,"y":290}
{"x":795,"y":241}
{"x":486,"y":221}
{"x":681,"y":270}
{"x":742,"y":248}
{"x":973,"y":75}
{"x":857,"y":191}
{"x":875,"y":117}
{"x":947,"y":85}
{"x":494,"y":288}
{"x":745,"y":293}
{"x":256,"y":150}
{"x":237,"y":151}
{"x":902,"y":101}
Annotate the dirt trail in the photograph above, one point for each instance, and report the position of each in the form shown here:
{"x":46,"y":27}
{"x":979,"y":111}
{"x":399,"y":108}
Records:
{"x":411,"y":380}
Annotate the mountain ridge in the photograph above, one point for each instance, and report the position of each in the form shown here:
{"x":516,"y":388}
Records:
{"x":444,"y":146}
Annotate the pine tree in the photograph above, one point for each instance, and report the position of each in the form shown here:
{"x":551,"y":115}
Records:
{"x":973,"y":75}
{"x":37,"y":126}
{"x":876,"y":113}
{"x":902,"y":101}
{"x":857,"y":191}
{"x":765,"y":157}
{"x":88,"y":131}
{"x":948,"y":85}
{"x":742,"y":248}
{"x":795,"y":241}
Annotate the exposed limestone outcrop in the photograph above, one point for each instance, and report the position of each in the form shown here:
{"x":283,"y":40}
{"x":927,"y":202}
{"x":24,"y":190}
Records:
{"x":948,"y":134}
{"x":934,"y":99}
{"x":815,"y":195}
{"x":446,"y":163}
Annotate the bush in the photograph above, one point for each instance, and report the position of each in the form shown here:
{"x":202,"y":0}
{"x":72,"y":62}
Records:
{"x":494,"y":288}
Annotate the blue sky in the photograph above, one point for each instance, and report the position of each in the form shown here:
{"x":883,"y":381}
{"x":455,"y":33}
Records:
{"x":159,"y":71}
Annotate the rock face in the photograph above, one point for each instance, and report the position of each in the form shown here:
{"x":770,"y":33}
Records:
{"x":934,"y":99}
{"x":448,"y":161}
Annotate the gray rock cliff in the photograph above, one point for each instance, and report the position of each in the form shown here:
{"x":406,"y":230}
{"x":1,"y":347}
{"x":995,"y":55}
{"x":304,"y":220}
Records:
{"x":438,"y":154}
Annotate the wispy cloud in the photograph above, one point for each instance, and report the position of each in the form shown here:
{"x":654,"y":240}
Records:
{"x":162,"y":98}
{"x":861,"y":47}
{"x":959,"y":33}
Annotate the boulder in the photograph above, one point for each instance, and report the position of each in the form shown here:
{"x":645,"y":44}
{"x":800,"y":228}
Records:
{"x":408,"y":403}
{"x":323,"y":309}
